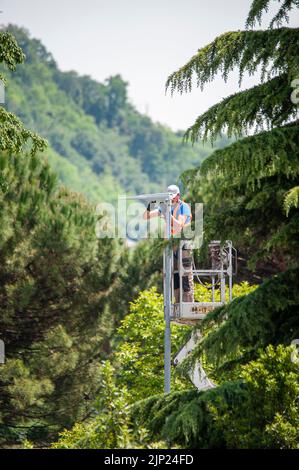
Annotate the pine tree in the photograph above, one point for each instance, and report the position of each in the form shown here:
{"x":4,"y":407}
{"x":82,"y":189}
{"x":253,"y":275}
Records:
{"x":56,"y":279}
{"x":55,"y":282}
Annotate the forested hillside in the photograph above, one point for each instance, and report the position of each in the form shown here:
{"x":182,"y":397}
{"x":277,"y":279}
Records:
{"x":99,"y":143}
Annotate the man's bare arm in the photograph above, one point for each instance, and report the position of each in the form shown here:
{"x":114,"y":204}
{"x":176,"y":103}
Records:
{"x":150,"y":214}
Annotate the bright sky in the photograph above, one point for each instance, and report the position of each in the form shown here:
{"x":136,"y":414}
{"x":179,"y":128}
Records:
{"x":143,"y":40}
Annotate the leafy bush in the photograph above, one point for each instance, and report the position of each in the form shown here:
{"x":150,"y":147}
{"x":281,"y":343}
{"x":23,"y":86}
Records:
{"x":140,"y":349}
{"x":202,"y":292}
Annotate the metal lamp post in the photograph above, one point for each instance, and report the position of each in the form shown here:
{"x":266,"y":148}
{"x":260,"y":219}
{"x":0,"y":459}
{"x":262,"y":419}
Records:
{"x":165,"y":198}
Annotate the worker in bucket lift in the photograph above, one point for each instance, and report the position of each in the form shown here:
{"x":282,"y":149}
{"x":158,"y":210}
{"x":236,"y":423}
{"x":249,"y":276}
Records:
{"x":180,"y":217}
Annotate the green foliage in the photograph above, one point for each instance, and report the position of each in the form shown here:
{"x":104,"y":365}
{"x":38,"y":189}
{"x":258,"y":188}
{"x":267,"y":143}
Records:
{"x":183,"y":418}
{"x":255,"y":109}
{"x":272,"y":50}
{"x":217,"y":370}
{"x":202,"y":292}
{"x":10,"y":52}
{"x":291,"y":199}
{"x":253,"y":159}
{"x":24,"y":390}
{"x":14,"y":138}
{"x":82,"y":179}
{"x":243,"y":188}
{"x":259,"y":6}
{"x":110,"y":427}
{"x":258,"y":411}
{"x":56,"y":279}
{"x":268,"y":315}
{"x":138,"y":359}
{"x":55,"y":296}
{"x":271,"y":404}
{"x":55,"y":285}
{"x":139,"y":351}
{"x":26,"y":444}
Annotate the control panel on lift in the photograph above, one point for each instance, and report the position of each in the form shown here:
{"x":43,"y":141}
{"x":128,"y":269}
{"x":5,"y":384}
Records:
{"x":218,"y":279}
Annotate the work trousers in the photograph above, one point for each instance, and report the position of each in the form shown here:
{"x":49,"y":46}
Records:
{"x":187,"y":278}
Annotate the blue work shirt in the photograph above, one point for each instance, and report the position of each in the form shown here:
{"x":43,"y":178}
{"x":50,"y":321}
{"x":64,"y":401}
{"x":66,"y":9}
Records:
{"x":183,"y":209}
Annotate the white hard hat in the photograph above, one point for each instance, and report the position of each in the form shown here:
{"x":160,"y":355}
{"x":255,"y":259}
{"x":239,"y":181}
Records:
{"x":174,"y":189}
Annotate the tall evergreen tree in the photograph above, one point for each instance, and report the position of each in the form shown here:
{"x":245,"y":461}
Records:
{"x":55,"y":281}
{"x":250,"y":187}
